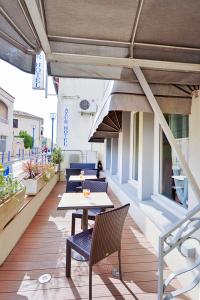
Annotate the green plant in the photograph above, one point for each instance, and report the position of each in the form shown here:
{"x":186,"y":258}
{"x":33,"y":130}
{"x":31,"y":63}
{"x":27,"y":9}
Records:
{"x":46,"y":176}
{"x":28,"y":140}
{"x":57,"y":156}
{"x":8,"y":187}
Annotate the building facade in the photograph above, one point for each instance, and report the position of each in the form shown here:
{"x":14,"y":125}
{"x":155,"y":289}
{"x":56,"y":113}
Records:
{"x":144,"y":170}
{"x":78,"y":101}
{"x":32,"y":124}
{"x":6,"y":120}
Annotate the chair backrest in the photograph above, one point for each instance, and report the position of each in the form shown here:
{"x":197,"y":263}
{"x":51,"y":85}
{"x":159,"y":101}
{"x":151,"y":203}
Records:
{"x":95,"y":186}
{"x":82,"y":165}
{"x":71,"y":171}
{"x":71,"y":186}
{"x":102,"y":179}
{"x":107,"y":233}
{"x":90,"y":172}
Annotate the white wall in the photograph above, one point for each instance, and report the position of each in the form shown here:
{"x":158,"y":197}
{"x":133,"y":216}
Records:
{"x":146,"y":155}
{"x":71,"y":92}
{"x":124,"y":154}
{"x":6,"y":127}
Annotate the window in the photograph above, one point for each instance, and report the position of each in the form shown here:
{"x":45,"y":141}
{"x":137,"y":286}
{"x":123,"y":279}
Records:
{"x":173,"y":182}
{"x":15,"y":123}
{"x":2,"y":143}
{"x":3,"y":111}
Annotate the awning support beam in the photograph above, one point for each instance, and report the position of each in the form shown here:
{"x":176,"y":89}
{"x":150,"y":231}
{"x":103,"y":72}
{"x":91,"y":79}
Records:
{"x":38,"y":24}
{"x":135,"y":26}
{"x":158,"y":113}
{"x":121,"y":62}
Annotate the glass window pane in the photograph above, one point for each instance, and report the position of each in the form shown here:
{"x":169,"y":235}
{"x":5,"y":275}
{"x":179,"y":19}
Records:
{"x":15,"y":123}
{"x":174,"y":183}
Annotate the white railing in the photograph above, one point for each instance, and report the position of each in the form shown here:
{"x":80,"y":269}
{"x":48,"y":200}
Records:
{"x":78,"y":156}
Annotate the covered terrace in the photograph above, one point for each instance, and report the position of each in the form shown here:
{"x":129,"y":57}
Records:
{"x":41,"y":250}
{"x":142,"y":41}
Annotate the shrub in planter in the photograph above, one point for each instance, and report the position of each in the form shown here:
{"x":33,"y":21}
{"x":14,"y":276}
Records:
{"x":47,"y":172}
{"x":57,"y":157}
{"x":12,"y":195}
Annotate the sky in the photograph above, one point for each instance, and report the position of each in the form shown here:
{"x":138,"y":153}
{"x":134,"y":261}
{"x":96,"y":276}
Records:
{"x":19,"y":85}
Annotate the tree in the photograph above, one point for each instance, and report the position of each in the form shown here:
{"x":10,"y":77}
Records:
{"x":28,"y":139}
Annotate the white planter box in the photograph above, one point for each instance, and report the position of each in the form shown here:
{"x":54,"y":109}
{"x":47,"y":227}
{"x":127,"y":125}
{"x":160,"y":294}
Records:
{"x":33,"y":186}
{"x":10,"y":235}
{"x":10,"y":207}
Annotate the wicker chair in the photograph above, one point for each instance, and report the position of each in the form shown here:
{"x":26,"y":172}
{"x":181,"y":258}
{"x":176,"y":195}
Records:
{"x":99,"y":242}
{"x":90,"y":172}
{"x":71,"y":186}
{"x":93,"y":186}
{"x":86,"y":172}
{"x":102,"y":179}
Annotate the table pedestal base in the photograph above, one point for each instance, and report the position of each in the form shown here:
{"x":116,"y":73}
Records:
{"x":115,"y":272}
{"x":75,"y":255}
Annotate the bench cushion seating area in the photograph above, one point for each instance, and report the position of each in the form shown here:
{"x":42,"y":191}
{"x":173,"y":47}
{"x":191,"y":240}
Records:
{"x":82,"y":166}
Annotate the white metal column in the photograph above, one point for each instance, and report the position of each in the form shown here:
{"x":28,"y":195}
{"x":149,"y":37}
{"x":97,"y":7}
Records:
{"x":161,"y":119}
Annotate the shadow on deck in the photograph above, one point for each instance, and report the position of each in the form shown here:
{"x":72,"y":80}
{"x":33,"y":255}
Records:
{"x":42,"y":250}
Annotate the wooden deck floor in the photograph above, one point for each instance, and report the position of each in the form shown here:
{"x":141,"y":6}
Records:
{"x":42,"y":250}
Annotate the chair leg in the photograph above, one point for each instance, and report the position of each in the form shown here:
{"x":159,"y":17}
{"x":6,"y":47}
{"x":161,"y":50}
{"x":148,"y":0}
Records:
{"x":90,"y":282}
{"x":68,"y":259}
{"x":120,"y":267}
{"x":73,"y":225}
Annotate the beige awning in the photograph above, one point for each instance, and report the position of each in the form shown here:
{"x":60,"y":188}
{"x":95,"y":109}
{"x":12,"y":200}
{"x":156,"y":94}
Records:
{"x":97,"y":39}
{"x":123,"y":96}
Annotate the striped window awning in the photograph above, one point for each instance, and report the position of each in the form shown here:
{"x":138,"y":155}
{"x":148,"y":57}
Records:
{"x":123,"y":96}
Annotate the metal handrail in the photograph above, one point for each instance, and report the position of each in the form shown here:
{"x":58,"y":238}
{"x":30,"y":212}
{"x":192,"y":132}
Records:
{"x":174,"y":238}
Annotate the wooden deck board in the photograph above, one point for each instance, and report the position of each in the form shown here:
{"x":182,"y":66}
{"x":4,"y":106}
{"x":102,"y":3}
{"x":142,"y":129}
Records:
{"x":42,"y":250}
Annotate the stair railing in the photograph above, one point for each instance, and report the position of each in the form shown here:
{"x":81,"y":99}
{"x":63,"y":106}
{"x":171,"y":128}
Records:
{"x":176,"y":236}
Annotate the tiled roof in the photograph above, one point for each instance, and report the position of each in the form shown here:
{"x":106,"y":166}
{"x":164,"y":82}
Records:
{"x":25,"y":114}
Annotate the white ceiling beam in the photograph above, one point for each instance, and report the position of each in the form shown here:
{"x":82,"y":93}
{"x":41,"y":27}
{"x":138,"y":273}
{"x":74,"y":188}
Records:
{"x":122,"y":62}
{"x":87,"y":41}
{"x":121,"y":44}
{"x":167,"y":47}
{"x":38,"y":24}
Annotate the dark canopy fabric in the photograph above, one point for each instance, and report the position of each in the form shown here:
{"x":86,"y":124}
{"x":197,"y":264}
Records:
{"x":18,"y":37}
{"x":166,"y":31}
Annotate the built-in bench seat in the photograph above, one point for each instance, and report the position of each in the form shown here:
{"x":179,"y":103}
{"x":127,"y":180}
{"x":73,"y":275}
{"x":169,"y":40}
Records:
{"x":82,"y":166}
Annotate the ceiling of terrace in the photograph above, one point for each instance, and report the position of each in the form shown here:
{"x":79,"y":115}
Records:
{"x":104,"y":38}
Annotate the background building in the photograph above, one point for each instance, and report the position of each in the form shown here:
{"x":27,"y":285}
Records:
{"x":78,"y":101}
{"x":30,"y":123}
{"x":6,"y":119}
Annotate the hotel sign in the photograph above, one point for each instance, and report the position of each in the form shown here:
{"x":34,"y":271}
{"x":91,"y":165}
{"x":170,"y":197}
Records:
{"x":65,"y":127}
{"x":38,"y":78}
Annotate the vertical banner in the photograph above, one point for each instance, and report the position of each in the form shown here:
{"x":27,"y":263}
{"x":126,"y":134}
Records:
{"x":65,"y":128}
{"x":38,"y":77}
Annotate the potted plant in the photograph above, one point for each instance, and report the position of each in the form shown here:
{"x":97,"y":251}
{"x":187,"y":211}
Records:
{"x":33,"y":180}
{"x":12,"y":194}
{"x":56,"y":158}
{"x":47,"y":172}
